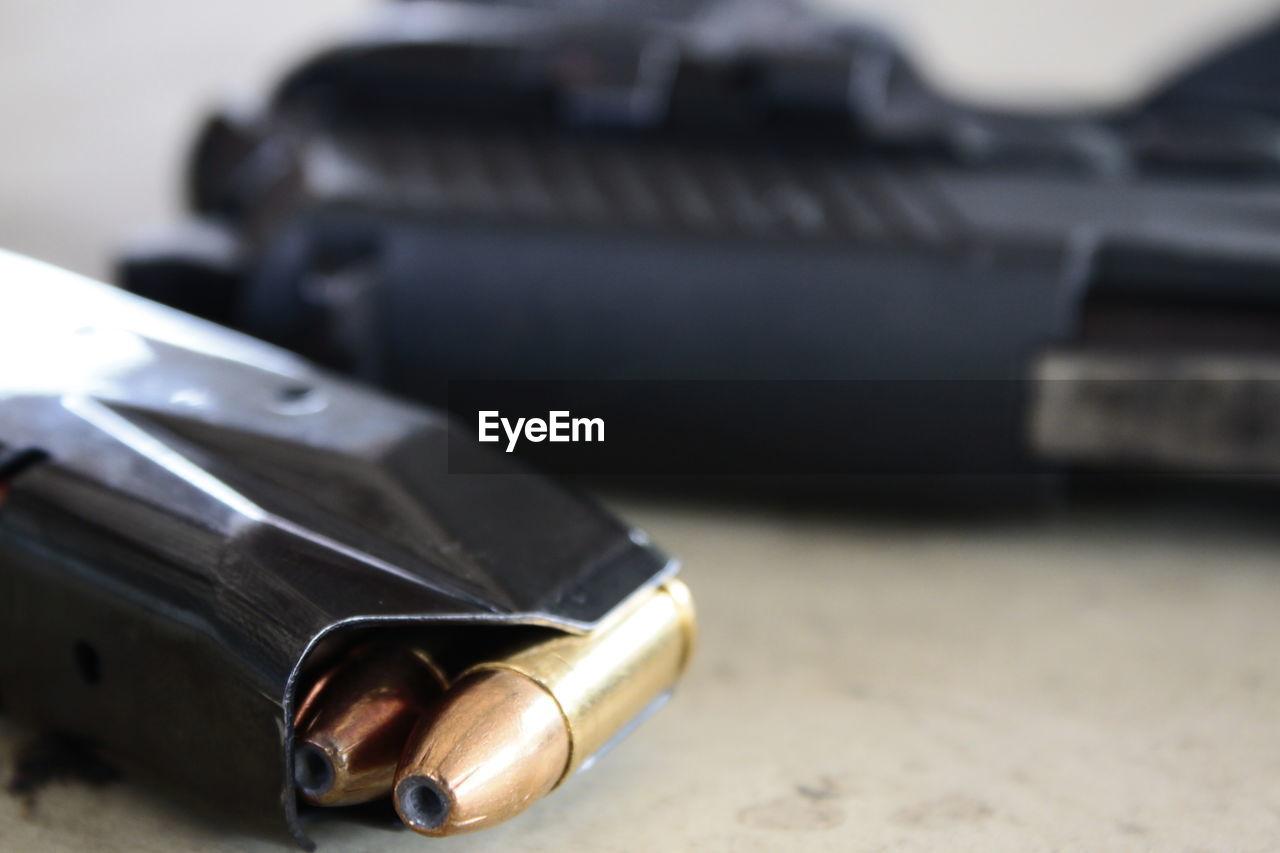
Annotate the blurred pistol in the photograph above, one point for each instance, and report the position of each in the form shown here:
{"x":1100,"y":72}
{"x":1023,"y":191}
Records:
{"x":733,"y":194}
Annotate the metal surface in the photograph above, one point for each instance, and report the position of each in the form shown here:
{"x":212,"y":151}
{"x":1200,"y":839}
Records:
{"x":733,"y":192}
{"x":1106,"y":681}
{"x":496,"y":746}
{"x":474,"y":763}
{"x":353,"y":724}
{"x":1207,"y":413}
{"x":604,"y":679}
{"x":211,"y":508}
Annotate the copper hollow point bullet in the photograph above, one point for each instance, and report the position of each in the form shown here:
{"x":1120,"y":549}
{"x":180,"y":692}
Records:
{"x":352,"y":726}
{"x":510,"y":731}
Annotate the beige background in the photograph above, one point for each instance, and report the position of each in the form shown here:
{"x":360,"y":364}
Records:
{"x":1084,"y":679}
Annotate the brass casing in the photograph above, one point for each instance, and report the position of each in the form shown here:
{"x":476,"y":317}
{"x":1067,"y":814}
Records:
{"x":602,"y":680}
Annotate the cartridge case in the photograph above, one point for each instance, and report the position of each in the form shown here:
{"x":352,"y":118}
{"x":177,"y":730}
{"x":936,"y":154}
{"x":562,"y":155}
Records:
{"x":510,"y":731}
{"x":604,"y":680}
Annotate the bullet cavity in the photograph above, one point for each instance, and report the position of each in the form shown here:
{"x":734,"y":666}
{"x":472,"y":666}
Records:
{"x":423,"y":803}
{"x":312,"y":771}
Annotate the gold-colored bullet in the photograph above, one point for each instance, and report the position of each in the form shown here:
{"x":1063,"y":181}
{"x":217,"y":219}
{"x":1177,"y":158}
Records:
{"x":510,"y":731}
{"x":353,"y":724}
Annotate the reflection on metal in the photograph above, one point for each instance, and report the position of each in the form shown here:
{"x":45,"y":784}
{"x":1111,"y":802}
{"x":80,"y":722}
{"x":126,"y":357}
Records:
{"x":1193,"y":413}
{"x":513,"y":729}
{"x":352,"y":726}
{"x":210,"y":511}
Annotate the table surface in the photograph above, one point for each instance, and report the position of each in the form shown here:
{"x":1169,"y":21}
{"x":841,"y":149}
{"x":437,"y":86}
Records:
{"x":1097,"y":678}
{"x":1080,"y":680}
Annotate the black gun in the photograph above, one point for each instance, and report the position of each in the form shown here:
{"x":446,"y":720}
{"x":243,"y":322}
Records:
{"x":753,"y":241}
